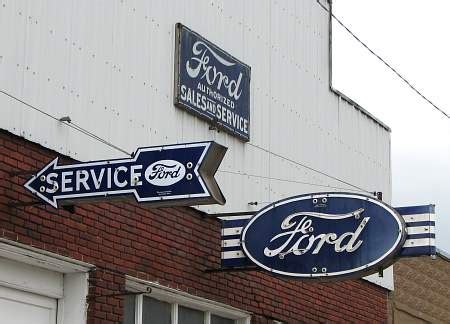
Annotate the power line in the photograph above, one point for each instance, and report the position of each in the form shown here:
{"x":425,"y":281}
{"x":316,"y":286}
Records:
{"x":288,"y":180}
{"x":310,"y":168}
{"x":103,"y":141}
{"x":383,"y":61}
{"x":88,"y":133}
{"x":69,"y":124}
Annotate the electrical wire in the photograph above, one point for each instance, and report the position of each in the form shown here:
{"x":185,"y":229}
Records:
{"x":289,"y":180}
{"x":69,"y":124}
{"x":383,"y":61}
{"x":310,"y":168}
{"x":103,"y":141}
{"x":79,"y":128}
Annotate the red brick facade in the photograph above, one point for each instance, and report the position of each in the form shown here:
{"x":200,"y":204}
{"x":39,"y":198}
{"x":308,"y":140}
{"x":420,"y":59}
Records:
{"x":170,"y":245}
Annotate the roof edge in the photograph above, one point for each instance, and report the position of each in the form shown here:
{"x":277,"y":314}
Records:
{"x":358,"y":107}
{"x":330,"y":78}
{"x":443,"y":254}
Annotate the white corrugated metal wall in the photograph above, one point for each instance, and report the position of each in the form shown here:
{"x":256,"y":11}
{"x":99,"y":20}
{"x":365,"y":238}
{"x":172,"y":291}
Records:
{"x":109,"y":66}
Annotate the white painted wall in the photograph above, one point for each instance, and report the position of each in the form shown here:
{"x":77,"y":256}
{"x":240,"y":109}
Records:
{"x":109,"y":66}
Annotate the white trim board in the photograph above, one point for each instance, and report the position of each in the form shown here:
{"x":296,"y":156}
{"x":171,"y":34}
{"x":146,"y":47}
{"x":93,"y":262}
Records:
{"x":172,"y":295}
{"x":41,"y":258}
{"x":29,"y":269}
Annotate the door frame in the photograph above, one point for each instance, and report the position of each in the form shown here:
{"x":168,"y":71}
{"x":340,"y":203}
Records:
{"x":72,"y":304}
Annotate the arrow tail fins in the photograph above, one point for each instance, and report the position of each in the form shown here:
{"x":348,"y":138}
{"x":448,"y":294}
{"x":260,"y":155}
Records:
{"x":210,"y":164}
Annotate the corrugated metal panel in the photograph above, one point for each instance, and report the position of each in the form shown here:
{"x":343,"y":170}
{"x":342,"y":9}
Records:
{"x":109,"y":66}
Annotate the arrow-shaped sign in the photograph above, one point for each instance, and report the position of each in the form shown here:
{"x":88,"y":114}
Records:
{"x":181,"y":174}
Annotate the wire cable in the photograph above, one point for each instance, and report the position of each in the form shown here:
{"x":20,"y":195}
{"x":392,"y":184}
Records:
{"x":103,"y":141}
{"x":88,"y":133}
{"x":310,"y":168}
{"x":383,"y":61}
{"x":289,"y":180}
{"x":69,"y":124}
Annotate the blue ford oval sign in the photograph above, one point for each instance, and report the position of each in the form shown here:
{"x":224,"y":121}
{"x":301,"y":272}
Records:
{"x":324,"y":235}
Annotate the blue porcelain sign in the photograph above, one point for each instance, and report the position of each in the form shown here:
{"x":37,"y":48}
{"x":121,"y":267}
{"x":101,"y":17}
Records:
{"x":179,"y":174}
{"x":324,"y":235}
{"x":211,"y":83}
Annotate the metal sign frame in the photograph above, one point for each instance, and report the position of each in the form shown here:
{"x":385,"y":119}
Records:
{"x":382,"y":262}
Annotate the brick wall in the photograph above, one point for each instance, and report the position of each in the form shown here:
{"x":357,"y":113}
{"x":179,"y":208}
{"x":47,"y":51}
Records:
{"x":170,"y":245}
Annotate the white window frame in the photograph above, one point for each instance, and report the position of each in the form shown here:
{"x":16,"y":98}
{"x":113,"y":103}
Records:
{"x":180,"y":298}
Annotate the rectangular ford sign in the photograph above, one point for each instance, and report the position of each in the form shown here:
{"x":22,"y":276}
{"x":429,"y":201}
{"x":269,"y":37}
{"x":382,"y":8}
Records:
{"x":211,"y":83}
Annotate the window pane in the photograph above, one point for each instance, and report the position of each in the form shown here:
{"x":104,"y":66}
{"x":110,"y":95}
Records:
{"x":216,"y":319}
{"x":155,"y":311}
{"x":190,"y":316}
{"x":129,"y":307}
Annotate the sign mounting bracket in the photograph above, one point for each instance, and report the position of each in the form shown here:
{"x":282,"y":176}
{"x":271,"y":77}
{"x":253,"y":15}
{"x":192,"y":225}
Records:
{"x":213,"y":270}
{"x":15,"y":203}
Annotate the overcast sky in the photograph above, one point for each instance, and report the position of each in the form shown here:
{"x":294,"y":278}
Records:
{"x":412,"y":35}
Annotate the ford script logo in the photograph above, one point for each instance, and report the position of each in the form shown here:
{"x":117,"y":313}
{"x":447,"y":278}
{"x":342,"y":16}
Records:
{"x":211,"y":83}
{"x":210,"y":73}
{"x":324,"y":235}
{"x":165,"y":173}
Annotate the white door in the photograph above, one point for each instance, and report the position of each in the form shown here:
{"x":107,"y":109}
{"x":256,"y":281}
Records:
{"x":20,"y":307}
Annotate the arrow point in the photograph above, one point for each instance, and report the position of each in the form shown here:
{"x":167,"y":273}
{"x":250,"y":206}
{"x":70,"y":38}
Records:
{"x":28,"y":184}
{"x":35,"y":183}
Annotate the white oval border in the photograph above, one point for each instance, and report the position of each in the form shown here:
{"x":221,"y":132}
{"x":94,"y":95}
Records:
{"x":154,"y":183}
{"x":400,"y":238}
